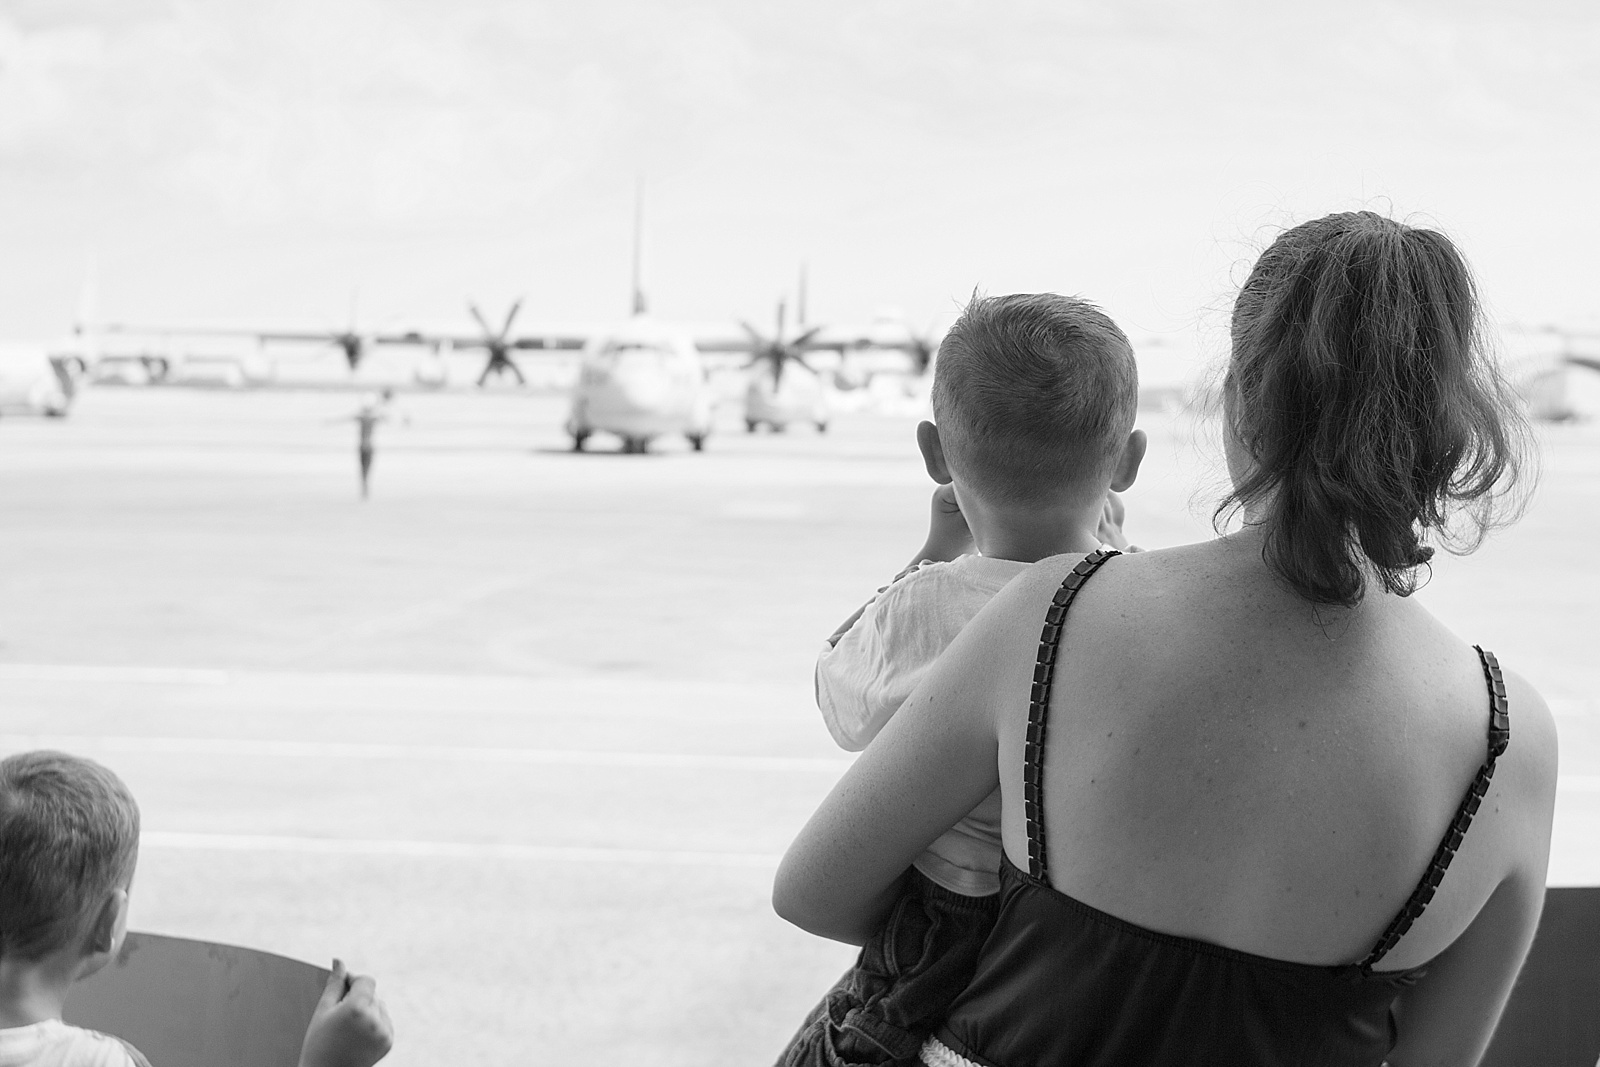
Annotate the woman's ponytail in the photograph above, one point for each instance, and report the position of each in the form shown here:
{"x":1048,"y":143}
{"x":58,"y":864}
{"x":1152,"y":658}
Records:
{"x":1361,"y":392}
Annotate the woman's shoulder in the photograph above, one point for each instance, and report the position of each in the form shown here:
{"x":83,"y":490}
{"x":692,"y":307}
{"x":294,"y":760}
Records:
{"x":1527,"y":770}
{"x":1195,"y":561}
{"x":1164,"y":582}
{"x":1007,"y":629}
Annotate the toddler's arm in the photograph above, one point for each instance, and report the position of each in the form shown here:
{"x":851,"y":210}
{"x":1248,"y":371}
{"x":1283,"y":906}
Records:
{"x":350,"y":1027}
{"x":876,"y":655}
{"x":948,"y":537}
{"x":948,"y":533}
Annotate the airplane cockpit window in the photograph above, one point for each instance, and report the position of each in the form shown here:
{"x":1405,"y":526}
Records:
{"x":619,"y":356}
{"x":620,"y":348}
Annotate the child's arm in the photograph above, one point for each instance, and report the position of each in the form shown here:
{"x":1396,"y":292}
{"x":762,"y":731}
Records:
{"x":948,"y":537}
{"x":876,"y":655}
{"x":350,"y":1027}
{"x":948,"y":533}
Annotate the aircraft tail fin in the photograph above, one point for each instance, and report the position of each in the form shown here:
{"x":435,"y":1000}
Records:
{"x":86,"y":320}
{"x":640,"y":305}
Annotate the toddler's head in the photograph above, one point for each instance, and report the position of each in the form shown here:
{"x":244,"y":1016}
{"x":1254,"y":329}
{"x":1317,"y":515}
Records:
{"x":1034,"y":396}
{"x":69,"y":839}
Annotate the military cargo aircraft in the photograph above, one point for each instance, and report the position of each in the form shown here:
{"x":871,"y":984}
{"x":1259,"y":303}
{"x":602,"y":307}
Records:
{"x":34,"y":381}
{"x":638,"y":379}
{"x":1554,"y":371}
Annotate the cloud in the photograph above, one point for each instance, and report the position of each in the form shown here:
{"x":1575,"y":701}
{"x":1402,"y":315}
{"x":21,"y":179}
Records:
{"x":907,"y":145}
{"x":40,"y":103}
{"x":360,"y":112}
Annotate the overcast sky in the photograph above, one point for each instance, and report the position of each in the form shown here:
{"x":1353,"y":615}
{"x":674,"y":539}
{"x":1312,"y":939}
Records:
{"x":252,"y":161}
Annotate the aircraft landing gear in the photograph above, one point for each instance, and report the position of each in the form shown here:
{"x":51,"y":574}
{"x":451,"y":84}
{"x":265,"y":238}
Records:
{"x":822,"y":427}
{"x":697,"y":441}
{"x":579,"y":437}
{"x":750,"y":425}
{"x":637,"y":446}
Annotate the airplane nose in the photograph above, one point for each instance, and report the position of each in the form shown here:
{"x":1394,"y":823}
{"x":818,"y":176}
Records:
{"x":641,"y":389}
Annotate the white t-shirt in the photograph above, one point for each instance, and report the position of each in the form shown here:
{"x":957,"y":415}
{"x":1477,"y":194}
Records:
{"x":53,"y":1043}
{"x":864,"y":678}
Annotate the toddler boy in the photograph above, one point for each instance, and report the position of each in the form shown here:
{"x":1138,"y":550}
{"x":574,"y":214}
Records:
{"x":1034,"y":398}
{"x":69,"y":841}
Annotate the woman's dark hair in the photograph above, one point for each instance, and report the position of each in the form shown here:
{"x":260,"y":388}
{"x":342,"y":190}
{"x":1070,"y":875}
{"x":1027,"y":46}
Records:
{"x":1360,"y":388}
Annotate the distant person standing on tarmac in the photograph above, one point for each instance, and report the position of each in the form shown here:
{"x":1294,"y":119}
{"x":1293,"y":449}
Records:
{"x":374,"y":409}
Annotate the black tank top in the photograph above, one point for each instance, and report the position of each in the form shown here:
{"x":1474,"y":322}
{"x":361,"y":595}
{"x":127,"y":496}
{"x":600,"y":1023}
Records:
{"x":1062,"y":984}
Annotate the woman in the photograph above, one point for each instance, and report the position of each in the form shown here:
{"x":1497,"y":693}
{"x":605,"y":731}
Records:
{"x":1280,"y":814}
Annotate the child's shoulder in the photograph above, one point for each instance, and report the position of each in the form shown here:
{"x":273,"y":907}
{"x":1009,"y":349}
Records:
{"x":982,"y":575}
{"x":55,"y":1044}
{"x":969,"y":569}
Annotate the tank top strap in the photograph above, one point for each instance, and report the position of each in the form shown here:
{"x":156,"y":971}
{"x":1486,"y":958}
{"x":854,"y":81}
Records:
{"x":1044,"y":671}
{"x":1499,"y":738}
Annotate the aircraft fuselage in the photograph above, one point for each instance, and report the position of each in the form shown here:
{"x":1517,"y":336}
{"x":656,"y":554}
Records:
{"x":35,"y":382}
{"x":640,"y":382}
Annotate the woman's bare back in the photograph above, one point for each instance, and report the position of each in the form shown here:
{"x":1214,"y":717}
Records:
{"x":1272,"y":777}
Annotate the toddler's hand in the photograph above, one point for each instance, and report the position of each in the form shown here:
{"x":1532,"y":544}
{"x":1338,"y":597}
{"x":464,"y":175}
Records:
{"x":350,"y":1027}
{"x":948,"y":533}
{"x":1110,"y":531}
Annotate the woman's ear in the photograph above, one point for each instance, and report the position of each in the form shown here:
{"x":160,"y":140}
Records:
{"x":1127,"y":468}
{"x":933,"y":452}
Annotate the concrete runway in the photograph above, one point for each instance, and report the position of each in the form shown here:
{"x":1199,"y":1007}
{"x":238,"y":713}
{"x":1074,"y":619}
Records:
{"x":525,"y":734}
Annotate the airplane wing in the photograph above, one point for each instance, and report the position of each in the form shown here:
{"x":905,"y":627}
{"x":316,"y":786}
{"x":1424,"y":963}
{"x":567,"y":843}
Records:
{"x":817,"y":339}
{"x":337,"y":338}
{"x":565,"y":341}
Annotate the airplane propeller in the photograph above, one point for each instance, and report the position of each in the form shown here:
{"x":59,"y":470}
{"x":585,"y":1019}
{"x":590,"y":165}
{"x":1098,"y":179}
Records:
{"x":779,"y":351}
{"x":921,"y":349}
{"x":498,"y":344}
{"x":352,"y":344}
{"x":347,"y":340}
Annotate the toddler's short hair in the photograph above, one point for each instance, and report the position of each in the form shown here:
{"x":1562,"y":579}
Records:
{"x":1033,"y":393}
{"x":69,"y":834}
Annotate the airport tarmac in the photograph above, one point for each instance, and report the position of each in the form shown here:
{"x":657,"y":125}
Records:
{"x":525,"y":734}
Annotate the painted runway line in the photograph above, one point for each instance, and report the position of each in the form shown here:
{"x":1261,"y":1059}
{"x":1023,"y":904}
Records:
{"x":333,"y":846}
{"x":84,"y":672}
{"x":247,"y":747}
{"x":201,"y":746}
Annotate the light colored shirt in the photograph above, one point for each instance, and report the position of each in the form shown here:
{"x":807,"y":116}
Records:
{"x":864,"y":678}
{"x":53,"y":1043}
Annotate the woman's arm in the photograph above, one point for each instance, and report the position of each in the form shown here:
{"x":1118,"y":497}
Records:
{"x":933,"y":763}
{"x":1448,"y":1018}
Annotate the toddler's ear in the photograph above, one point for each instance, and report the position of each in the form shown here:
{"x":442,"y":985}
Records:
{"x":1127,"y":468}
{"x":932,"y":452}
{"x":106,"y":932}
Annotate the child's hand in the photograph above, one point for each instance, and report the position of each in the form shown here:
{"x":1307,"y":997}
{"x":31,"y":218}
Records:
{"x":350,"y":1027}
{"x":948,"y":533}
{"x":1110,"y":531}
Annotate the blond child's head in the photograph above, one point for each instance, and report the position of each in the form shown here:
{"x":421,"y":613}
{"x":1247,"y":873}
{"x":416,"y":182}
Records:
{"x":69,"y":840}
